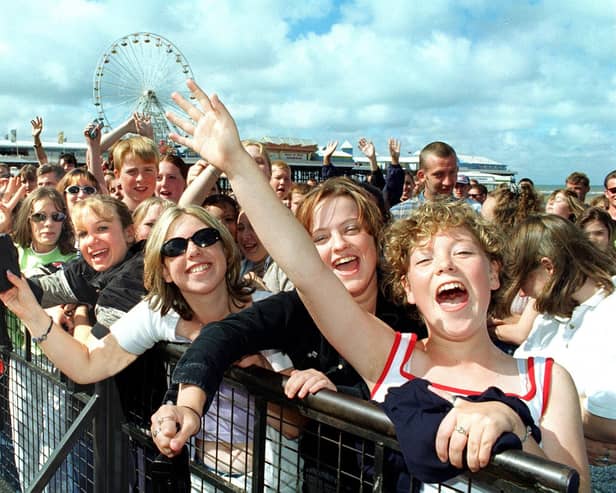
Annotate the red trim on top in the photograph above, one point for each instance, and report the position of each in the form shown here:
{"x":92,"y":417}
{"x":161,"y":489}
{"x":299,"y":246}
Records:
{"x":390,"y":359}
{"x":547,"y":383}
{"x":527,"y":397}
{"x":407,"y":357}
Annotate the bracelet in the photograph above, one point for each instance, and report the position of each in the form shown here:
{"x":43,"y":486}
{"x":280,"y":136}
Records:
{"x":43,"y":337}
{"x":528,"y":433}
{"x":198,"y":418}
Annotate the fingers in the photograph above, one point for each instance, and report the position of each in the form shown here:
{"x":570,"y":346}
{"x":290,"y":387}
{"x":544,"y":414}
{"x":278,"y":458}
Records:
{"x":443,"y":434}
{"x":304,"y":382}
{"x":167,"y":436}
{"x":180,"y":122}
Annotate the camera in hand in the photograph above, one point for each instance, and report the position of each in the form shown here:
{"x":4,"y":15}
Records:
{"x":9,"y":260}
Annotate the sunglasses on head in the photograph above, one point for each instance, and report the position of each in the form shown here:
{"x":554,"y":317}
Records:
{"x":202,"y":238}
{"x":41,"y":217}
{"x":75,"y":189}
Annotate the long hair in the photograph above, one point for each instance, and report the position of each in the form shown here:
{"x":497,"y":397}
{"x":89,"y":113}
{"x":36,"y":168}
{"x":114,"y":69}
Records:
{"x":574,"y":257}
{"x":513,"y":205}
{"x":22,"y":233}
{"x":165,"y":296}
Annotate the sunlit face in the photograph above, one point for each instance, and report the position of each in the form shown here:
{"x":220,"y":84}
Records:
{"x":143,"y":228}
{"x":170,"y":183}
{"x":248,"y":241}
{"x":488,"y":207}
{"x":610,"y":193}
{"x":137,"y":179}
{"x":460,"y":190}
{"x":47,"y":180}
{"x":102,"y":241}
{"x":259,"y":158}
{"x":225,"y":213}
{"x":558,"y":205}
{"x":199,"y":270}
{"x":598,"y":233}
{"x":45,"y":234}
{"x":344,"y":245}
{"x":73,"y":198}
{"x":450,"y":279}
{"x":580,"y":189}
{"x":281,"y":182}
{"x":439,"y":175}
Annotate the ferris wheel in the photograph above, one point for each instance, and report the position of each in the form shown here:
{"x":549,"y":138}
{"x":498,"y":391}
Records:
{"x":138,"y":73}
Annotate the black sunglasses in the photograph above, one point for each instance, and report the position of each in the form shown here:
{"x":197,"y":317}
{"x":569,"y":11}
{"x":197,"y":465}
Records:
{"x":177,"y":246}
{"x":41,"y":217}
{"x":74,"y":189}
{"x":612,"y":190}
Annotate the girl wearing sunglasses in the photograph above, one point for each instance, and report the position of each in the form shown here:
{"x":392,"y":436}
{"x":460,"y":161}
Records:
{"x":78,"y":184}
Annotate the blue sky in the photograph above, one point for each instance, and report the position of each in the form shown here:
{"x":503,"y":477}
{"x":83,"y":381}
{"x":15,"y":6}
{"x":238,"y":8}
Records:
{"x":531,"y":84}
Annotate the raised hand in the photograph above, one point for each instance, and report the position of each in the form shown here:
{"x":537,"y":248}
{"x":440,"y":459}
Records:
{"x":211,"y":130}
{"x":143,"y":125}
{"x":304,"y":382}
{"x":367,"y":147}
{"x":92,"y":133}
{"x":37,"y":126}
{"x":330,"y":148}
{"x":394,"y":150}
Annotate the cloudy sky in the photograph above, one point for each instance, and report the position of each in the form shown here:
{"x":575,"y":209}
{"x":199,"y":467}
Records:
{"x":531,"y":84}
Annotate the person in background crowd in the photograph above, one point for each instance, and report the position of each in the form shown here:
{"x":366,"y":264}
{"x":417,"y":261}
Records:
{"x":448,"y":271}
{"x":609,"y":185}
{"x":113,"y":187}
{"x":27,"y":176}
{"x":136,"y":168}
{"x":171,"y":178}
{"x":462,"y":186}
{"x":408,"y":188}
{"x":437,"y":173}
{"x":259,"y":153}
{"x":564,"y":203}
{"x":256,"y":260}
{"x":48,"y":175}
{"x":573,"y":283}
{"x":146,"y":214}
{"x":392,"y":185}
{"x":77,"y":185}
{"x":526,"y":181}
{"x":225,"y":209}
{"x":328,"y":170}
{"x":579,"y":183}
{"x":600,"y":201}
{"x":298,"y":193}
{"x":478,"y":192}
{"x":281,"y":180}
{"x":599,"y":229}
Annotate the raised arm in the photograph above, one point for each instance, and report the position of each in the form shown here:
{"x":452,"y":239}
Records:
{"x":37,"y":129}
{"x":92,"y":134}
{"x":199,"y":187}
{"x":367,"y":148}
{"x":82,"y":363}
{"x":394,"y":182}
{"x":329,"y":170}
{"x":216,"y":139}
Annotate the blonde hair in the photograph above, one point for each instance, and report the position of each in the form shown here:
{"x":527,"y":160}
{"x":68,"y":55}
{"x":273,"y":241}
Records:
{"x":165,"y":296}
{"x":142,"y":209}
{"x":138,"y":146}
{"x":576,"y":207}
{"x":404,"y":235}
{"x":104,"y":206}
{"x":262,"y":150}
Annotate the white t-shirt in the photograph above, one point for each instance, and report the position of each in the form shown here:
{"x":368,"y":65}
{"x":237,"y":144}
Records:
{"x":585,"y":345}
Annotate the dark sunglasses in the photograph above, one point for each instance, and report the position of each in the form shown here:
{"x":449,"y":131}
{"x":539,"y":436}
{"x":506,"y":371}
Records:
{"x":41,"y":217}
{"x":74,"y":189}
{"x":612,"y":190}
{"x":177,"y":246}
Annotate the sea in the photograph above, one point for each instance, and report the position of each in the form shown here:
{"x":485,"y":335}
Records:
{"x":548,"y":189}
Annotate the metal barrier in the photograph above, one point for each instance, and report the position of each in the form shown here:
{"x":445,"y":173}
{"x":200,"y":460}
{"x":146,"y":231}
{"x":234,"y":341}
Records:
{"x":327,"y":442}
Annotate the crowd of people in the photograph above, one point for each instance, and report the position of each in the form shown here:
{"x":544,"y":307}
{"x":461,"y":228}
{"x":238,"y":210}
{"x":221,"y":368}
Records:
{"x":477,"y":319}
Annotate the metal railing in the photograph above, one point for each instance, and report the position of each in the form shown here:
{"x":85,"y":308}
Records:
{"x":341,"y":442}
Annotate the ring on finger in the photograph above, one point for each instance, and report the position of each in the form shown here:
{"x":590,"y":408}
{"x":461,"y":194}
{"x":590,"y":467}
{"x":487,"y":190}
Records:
{"x":461,"y":429}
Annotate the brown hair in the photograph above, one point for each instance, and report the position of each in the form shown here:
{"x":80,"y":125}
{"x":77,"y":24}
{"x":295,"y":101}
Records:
{"x":23,"y":231}
{"x":513,"y":205}
{"x":72,"y":177}
{"x":406,"y":234}
{"x":574,"y":257}
{"x":573,"y":202}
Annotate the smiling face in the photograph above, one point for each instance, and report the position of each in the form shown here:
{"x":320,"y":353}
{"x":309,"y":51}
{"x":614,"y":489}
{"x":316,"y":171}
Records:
{"x":438,"y":176}
{"x":344,"y":245}
{"x":281,"y":182}
{"x":248,"y":241}
{"x":170,"y":183}
{"x":199,"y":270}
{"x":137,"y":179}
{"x":450,"y":278}
{"x":103,"y":242}
{"x":45,"y":234}
{"x":73,"y":198}
{"x":143,"y":228}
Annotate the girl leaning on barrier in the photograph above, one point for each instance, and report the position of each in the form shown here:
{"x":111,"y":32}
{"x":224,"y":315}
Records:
{"x":447,"y":265}
{"x":573,"y":283}
{"x":191,"y":271}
